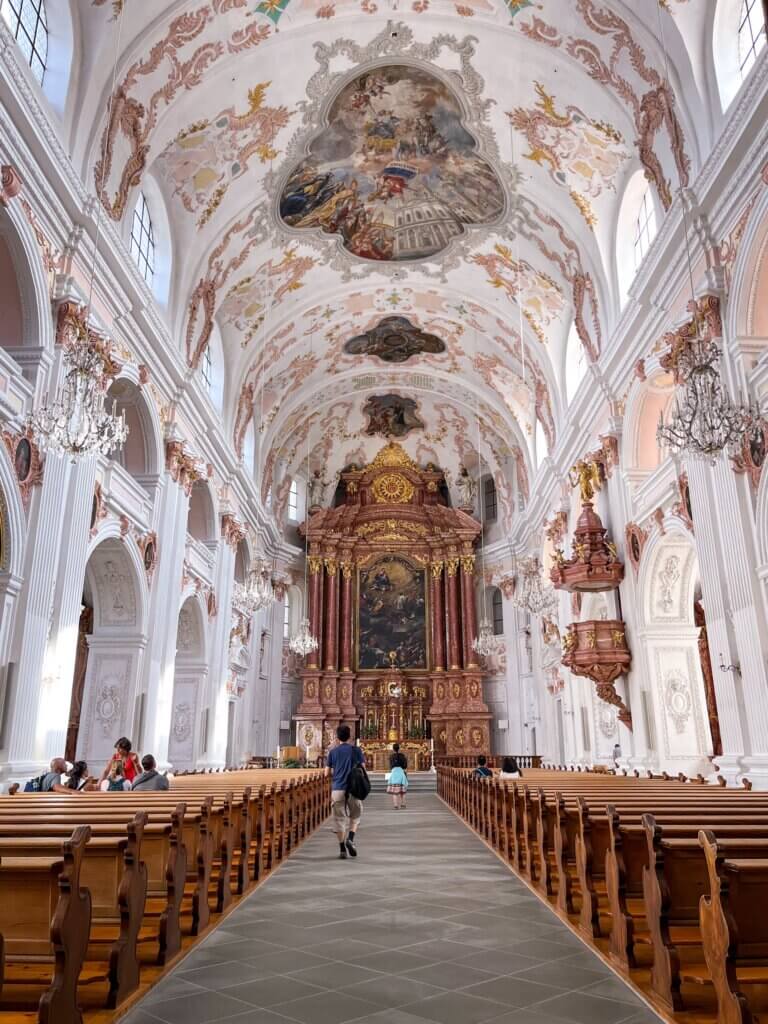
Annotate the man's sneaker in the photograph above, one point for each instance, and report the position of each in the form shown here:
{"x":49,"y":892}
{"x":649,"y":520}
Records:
{"x":350,"y":844}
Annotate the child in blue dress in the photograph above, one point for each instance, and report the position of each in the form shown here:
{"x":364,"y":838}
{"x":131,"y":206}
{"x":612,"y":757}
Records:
{"x":398,"y":779}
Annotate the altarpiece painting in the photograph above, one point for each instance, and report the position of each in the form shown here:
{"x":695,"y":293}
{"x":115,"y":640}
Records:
{"x":392,"y":615}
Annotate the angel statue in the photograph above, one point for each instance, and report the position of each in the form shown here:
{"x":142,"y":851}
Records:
{"x":465,"y":485}
{"x":586,"y":476}
{"x":316,"y":489}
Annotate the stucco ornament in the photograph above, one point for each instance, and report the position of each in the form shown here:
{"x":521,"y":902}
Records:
{"x":182,"y":722}
{"x":109,"y":704}
{"x":677,"y":699}
{"x":668,"y":578}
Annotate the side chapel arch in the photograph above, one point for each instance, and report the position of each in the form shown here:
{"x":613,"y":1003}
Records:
{"x":190,"y":673}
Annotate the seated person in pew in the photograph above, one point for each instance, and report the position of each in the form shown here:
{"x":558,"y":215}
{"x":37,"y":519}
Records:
{"x":510,"y":769}
{"x":51,"y":781}
{"x":78,"y":779}
{"x":150,"y":778}
{"x":482,"y":771}
{"x":127,"y":758}
{"x":115,"y":781}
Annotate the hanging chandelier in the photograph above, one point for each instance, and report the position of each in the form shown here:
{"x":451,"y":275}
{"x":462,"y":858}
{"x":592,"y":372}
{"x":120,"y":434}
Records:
{"x":704,"y":421}
{"x":258,"y":591}
{"x":487,"y":644}
{"x":303,"y":642}
{"x":76,"y":422}
{"x":531,"y":595}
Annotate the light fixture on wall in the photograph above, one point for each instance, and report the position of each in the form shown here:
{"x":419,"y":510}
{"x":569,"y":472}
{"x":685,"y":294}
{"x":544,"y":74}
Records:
{"x":76,"y":423}
{"x":531,"y":595}
{"x":486,"y":643}
{"x":704,"y":421}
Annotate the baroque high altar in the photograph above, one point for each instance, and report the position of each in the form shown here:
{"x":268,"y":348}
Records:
{"x":392,"y":602}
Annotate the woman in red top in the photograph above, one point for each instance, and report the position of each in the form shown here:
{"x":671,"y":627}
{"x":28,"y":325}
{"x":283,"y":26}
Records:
{"x":128,"y":759}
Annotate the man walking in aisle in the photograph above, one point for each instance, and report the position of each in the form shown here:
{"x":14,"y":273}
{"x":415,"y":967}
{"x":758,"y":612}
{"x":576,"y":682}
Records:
{"x":347,"y":810}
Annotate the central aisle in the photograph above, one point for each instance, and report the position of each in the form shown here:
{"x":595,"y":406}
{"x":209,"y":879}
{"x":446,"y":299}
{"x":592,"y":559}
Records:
{"x":425,"y":925}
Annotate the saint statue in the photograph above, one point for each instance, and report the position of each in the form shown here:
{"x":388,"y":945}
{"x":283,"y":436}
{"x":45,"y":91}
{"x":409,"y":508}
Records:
{"x":316,"y":489}
{"x":586,"y":476}
{"x":465,"y":485}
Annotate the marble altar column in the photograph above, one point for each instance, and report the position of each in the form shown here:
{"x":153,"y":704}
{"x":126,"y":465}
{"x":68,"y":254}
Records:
{"x":315,"y":605}
{"x":452,"y":606}
{"x":468,"y":611}
{"x":331,"y":615}
{"x":346,"y":615}
{"x":438,"y":617}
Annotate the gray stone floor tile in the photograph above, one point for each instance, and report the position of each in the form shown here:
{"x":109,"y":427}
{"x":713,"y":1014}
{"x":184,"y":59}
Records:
{"x":579,"y":1008}
{"x":450,"y":974}
{"x":141,"y":1016}
{"x":326,"y":1010}
{"x":344,"y":950}
{"x":561,"y":974}
{"x":390,"y":990}
{"x":396,"y":961}
{"x":334,"y":974}
{"x":512,"y":990}
{"x":169,"y":988}
{"x":439,"y":949}
{"x":612,"y":988}
{"x":278,"y":988}
{"x":455,"y":1008}
{"x":200,"y":1008}
{"x":283,"y":961}
{"x":389,"y":1016}
{"x":499,"y":961}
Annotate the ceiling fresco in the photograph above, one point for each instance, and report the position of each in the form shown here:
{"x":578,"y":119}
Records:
{"x":394,"y":339}
{"x":391,"y":416}
{"x":394,"y":172}
{"x":291,"y":140}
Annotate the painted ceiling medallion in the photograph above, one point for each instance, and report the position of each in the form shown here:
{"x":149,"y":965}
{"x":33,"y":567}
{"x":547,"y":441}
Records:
{"x":391,"y":416}
{"x":394,"y":339}
{"x":394,"y":172}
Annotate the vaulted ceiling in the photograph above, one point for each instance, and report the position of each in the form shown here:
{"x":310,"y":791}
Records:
{"x":325,"y":166}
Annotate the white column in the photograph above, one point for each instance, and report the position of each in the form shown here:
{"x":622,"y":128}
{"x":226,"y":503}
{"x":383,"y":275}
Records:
{"x":274,"y":656}
{"x":736,"y":626}
{"x":160,"y":655}
{"x":26,"y":750}
{"x":515,"y":708}
{"x":216,"y":698}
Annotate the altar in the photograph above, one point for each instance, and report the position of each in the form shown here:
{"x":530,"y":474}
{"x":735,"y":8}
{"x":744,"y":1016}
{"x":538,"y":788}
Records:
{"x":392,"y":602}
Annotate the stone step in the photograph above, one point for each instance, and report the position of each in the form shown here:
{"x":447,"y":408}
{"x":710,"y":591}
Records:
{"x":418,"y":782}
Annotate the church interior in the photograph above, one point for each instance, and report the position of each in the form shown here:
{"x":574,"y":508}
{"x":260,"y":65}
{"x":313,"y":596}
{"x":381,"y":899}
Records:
{"x":383,"y":382}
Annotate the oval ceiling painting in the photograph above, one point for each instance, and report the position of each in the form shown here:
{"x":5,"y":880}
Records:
{"x":394,"y":172}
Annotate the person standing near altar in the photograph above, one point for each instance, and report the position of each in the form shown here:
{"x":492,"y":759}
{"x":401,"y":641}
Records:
{"x":397,"y":784}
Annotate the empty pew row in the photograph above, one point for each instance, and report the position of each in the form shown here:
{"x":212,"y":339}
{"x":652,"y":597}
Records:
{"x":100,"y":892}
{"x":663,"y":876}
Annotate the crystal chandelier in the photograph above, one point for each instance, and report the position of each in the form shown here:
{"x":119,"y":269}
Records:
{"x":486,"y":643}
{"x":531,"y":596}
{"x":303,"y":642}
{"x":704,"y":421}
{"x":259,"y":593}
{"x":76,"y":423}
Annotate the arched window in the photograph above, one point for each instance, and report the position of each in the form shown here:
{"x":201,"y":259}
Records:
{"x":143,"y":240}
{"x":575,"y":363}
{"x":497,"y":613}
{"x":287,"y":619}
{"x":293,"y":501}
{"x":27,"y":21}
{"x":645,"y":227}
{"x":752,"y":34}
{"x":206,"y":368}
{"x":490,"y":504}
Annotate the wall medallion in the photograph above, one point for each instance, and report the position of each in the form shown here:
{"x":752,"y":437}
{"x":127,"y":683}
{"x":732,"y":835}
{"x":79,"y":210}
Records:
{"x":27,"y":463}
{"x":182,"y":722}
{"x":108,"y":707}
{"x":677,"y":699}
{"x":392,"y":489}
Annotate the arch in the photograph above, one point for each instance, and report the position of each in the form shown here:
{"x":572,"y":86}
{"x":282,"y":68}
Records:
{"x":142,"y":454}
{"x":21,"y":261}
{"x":668,"y":636}
{"x":201,"y":520}
{"x":116,"y":589}
{"x":730,"y":52}
{"x":634,"y":231}
{"x":648,"y":400}
{"x":190,"y":673}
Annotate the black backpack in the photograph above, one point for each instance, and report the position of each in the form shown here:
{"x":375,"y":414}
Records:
{"x":358,"y":784}
{"x":35,"y":785}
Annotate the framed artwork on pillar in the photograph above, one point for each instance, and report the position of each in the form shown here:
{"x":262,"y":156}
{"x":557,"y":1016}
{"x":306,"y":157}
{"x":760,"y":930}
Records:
{"x":392,"y":615}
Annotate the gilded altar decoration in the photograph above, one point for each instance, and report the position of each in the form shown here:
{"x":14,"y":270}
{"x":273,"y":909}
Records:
{"x":393,"y":489}
{"x":392,"y":614}
{"x":586,"y":476}
{"x":393,"y":153}
{"x":595,"y":564}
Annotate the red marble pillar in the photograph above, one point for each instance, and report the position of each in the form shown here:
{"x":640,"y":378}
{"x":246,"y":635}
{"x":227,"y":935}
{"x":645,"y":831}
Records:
{"x":331,"y":615}
{"x":468,"y":611}
{"x":452,"y":609}
{"x":315,"y":605}
{"x":438,"y":617}
{"x":346,"y":616}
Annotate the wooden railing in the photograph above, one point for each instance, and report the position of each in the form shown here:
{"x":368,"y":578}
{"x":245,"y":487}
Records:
{"x":667,"y":878}
{"x":468,"y":761}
